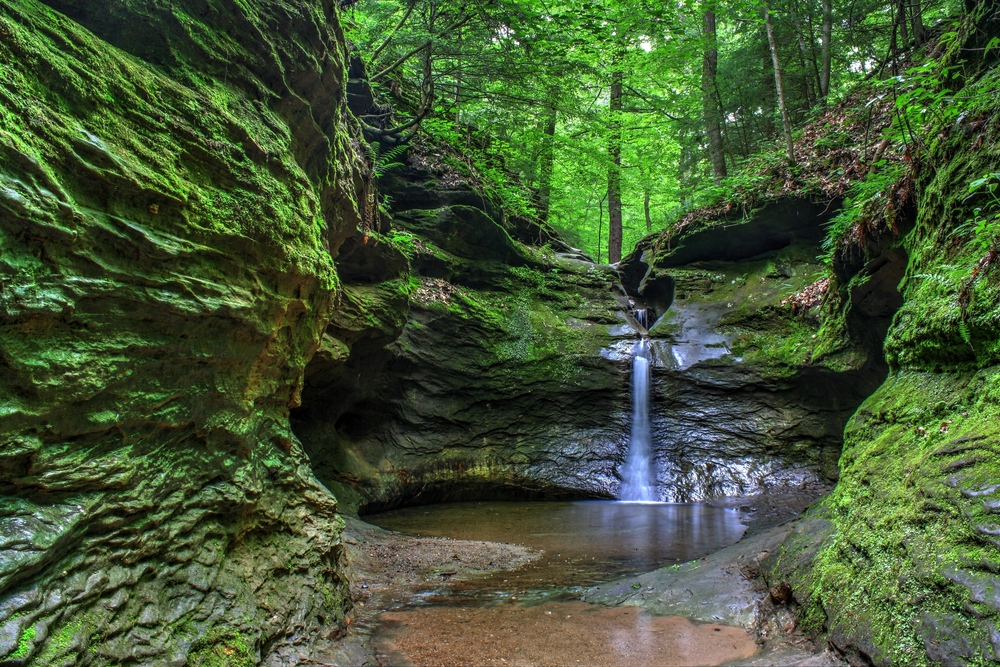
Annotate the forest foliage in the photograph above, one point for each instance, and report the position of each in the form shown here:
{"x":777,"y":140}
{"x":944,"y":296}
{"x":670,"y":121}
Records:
{"x":629,"y":111}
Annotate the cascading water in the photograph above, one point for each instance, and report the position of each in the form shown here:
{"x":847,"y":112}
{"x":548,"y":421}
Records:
{"x":638,"y":481}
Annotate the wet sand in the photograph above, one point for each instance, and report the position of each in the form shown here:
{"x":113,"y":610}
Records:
{"x":554,"y":633}
{"x":385,"y":561}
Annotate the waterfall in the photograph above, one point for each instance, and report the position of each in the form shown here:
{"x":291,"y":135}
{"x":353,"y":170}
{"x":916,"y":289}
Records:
{"x":638,"y":480}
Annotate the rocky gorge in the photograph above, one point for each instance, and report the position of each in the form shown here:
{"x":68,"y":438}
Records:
{"x":224,"y":326}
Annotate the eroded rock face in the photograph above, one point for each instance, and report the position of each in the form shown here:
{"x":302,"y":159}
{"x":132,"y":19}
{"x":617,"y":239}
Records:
{"x":167,"y":213}
{"x":481,"y":373}
{"x":751,"y":392}
{"x":909,"y":573}
{"x":499,"y":369}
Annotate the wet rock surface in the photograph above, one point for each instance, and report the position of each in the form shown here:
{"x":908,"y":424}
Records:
{"x":722,"y":587}
{"x":731,"y":587}
{"x":480,"y":374}
{"x":752,"y":390}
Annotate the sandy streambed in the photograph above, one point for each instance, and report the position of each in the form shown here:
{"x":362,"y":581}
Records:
{"x":554,"y":633}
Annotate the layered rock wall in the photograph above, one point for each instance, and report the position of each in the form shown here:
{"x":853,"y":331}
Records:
{"x":174,"y":180}
{"x":472,"y":367}
{"x":904,"y":571}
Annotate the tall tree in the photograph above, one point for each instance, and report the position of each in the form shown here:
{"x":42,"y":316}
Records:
{"x":546,"y":156}
{"x":711,"y":113}
{"x":917,"y":23}
{"x":779,"y":85}
{"x":615,"y":169}
{"x":826,"y":50}
{"x":805,"y":54}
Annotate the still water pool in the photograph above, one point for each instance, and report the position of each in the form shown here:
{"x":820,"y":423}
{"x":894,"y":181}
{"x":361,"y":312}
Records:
{"x":533,"y":616}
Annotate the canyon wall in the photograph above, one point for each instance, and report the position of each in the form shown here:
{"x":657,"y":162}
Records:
{"x":175,"y":179}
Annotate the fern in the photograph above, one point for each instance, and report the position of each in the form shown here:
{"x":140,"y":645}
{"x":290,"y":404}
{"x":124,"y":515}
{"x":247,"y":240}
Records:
{"x":986,"y":218}
{"x":947,"y":282}
{"x":963,"y":331}
{"x":383,"y":162}
{"x":938,"y":278}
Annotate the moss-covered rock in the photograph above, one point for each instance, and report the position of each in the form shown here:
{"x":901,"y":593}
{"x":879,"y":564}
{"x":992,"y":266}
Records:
{"x":908,"y":575}
{"x":173,"y":178}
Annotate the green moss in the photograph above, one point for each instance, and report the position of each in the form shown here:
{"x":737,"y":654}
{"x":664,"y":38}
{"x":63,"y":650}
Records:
{"x":774,"y":339}
{"x":59,"y":643}
{"x":25,"y":643}
{"x":223,"y":648}
{"x":761,"y":331}
{"x":902,"y":523}
{"x":898,"y":521}
{"x":166,"y":270}
{"x":910,"y":542}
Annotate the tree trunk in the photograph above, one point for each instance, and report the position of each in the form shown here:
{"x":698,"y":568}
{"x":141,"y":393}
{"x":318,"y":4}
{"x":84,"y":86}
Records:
{"x":615,"y":171}
{"x":904,"y":30}
{"x":768,"y":103}
{"x":600,"y":227}
{"x":779,"y":86}
{"x":826,"y":50}
{"x":917,"y":23}
{"x":814,"y":58}
{"x":710,"y":107}
{"x":458,"y":82}
{"x":800,"y":37}
{"x":741,"y":132}
{"x":893,"y":50}
{"x":546,"y":159}
{"x":645,"y":210}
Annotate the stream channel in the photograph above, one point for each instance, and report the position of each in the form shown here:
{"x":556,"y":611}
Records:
{"x":533,"y":615}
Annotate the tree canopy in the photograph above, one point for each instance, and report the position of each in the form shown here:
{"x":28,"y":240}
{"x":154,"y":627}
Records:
{"x":621,"y":113}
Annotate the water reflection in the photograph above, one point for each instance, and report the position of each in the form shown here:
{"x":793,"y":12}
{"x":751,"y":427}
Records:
{"x":584,"y":542}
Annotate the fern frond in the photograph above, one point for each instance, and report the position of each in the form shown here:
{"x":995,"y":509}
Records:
{"x":393,"y":153}
{"x":386,"y":161}
{"x":963,"y":331}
